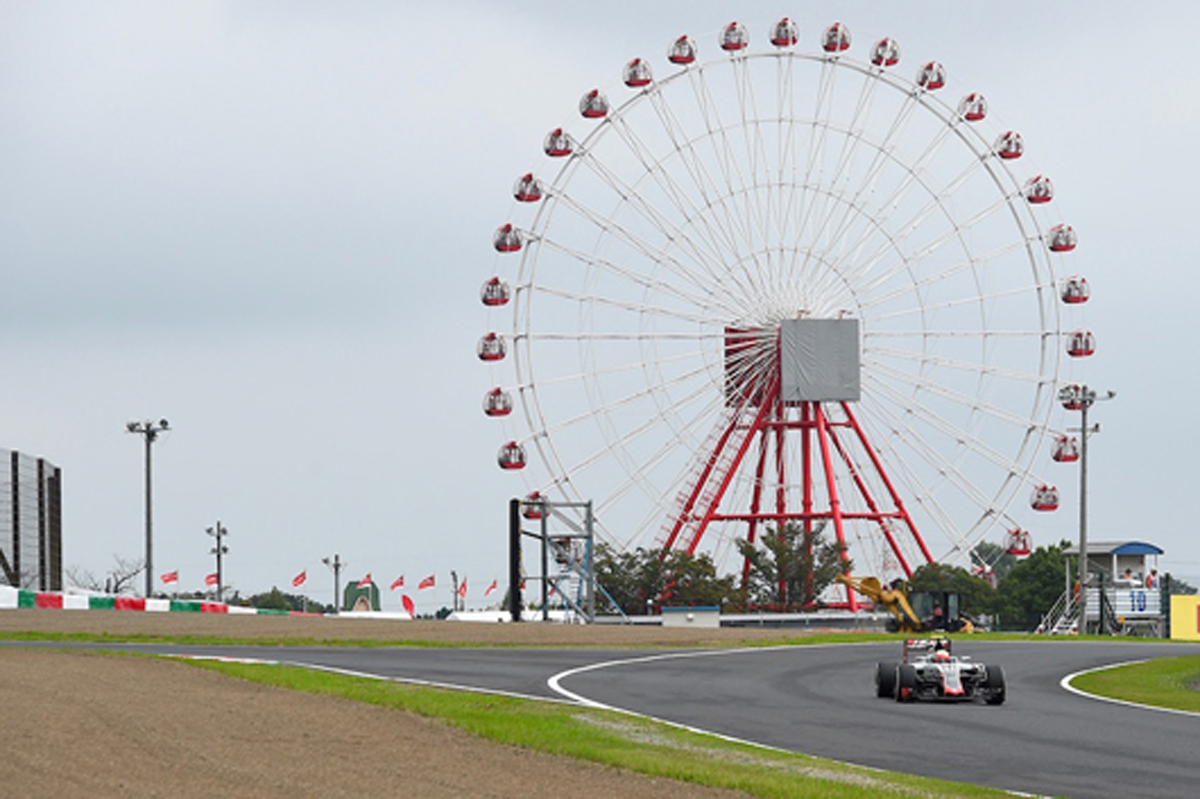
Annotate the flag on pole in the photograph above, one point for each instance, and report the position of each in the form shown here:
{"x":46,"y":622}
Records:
{"x":462,"y":588}
{"x":426,"y":583}
{"x":299,"y":579}
{"x":365,"y":582}
{"x":490,"y":588}
{"x":408,"y":606}
{"x":170,"y":577}
{"x":210,"y":579}
{"x":398,"y":582}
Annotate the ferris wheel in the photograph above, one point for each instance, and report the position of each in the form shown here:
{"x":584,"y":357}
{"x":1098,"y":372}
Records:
{"x":785,"y":287}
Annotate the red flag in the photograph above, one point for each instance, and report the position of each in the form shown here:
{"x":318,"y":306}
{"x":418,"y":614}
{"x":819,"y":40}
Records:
{"x":210,"y":579}
{"x":299,"y":579}
{"x":426,"y":583}
{"x":170,"y":577}
{"x":408,"y":605}
{"x":398,"y":583}
{"x":490,"y":588}
{"x":365,"y":582}
{"x":462,"y":588}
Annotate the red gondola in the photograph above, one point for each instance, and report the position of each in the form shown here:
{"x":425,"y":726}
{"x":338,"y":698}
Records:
{"x":1071,"y":397}
{"x":734,"y":37}
{"x":1045,"y":498}
{"x":1075,"y":290}
{"x":558,"y":143}
{"x":682,"y":51}
{"x":1081,"y":343}
{"x":836,"y":38}
{"x":637,"y":74}
{"x":973,"y":107}
{"x":932,"y":76}
{"x":495,"y":292}
{"x":885,"y":53}
{"x":784,"y":33}
{"x":593,"y":105}
{"x":511,"y":456}
{"x":491,"y":347}
{"x":1066,"y":449}
{"x":1062,"y":238}
{"x":497,"y":402}
{"x":1039,"y":190}
{"x":507,"y":239}
{"x":527,"y":189}
{"x":1009,"y":145}
{"x":531,"y":507}
{"x":1018,"y":542}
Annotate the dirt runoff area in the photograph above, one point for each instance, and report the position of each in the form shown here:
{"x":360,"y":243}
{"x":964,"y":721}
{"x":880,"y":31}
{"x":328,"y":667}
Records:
{"x":85,"y":724}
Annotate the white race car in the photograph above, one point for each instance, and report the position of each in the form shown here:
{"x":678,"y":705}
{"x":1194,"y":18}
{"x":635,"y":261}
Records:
{"x":930,"y":671}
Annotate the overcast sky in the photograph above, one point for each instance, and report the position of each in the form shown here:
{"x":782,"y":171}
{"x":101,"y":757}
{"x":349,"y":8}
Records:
{"x":268,"y":223}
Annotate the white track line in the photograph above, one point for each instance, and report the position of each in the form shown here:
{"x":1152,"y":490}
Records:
{"x":1065,"y":684}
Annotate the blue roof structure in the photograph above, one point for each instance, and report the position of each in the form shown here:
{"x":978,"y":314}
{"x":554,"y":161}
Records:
{"x":1116,"y":548}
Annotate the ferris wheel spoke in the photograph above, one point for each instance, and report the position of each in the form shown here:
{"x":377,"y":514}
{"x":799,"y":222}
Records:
{"x":648,"y":310}
{"x":934,"y":457}
{"x":708,"y":188}
{"x":911,"y":178}
{"x":696,"y":279}
{"x":630,"y":275}
{"x":851,"y":138}
{"x":618,"y":444}
{"x":933,"y":307}
{"x":970,"y":403}
{"x":708,"y":255}
{"x":746,"y":220}
{"x":620,"y":403}
{"x":981,"y":369}
{"x":915,"y":285}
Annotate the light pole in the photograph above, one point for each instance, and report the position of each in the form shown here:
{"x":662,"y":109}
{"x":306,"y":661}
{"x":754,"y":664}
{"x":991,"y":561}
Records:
{"x":336,"y":565}
{"x":220,"y":549}
{"x":1082,"y":398}
{"x":149,"y":431}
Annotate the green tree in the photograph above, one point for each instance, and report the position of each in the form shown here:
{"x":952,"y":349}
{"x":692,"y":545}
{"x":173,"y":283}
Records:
{"x":975,"y":596}
{"x":1031,"y":588}
{"x":789,"y":568}
{"x":272,"y":600}
{"x":638,"y":580}
{"x":1001,"y":562}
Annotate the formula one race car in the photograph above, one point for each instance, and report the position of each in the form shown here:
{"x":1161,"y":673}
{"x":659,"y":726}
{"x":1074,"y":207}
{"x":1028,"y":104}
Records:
{"x":930,"y":671}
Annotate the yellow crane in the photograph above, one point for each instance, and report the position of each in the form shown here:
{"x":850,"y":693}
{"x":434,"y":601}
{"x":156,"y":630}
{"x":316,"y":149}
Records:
{"x":943,"y":606}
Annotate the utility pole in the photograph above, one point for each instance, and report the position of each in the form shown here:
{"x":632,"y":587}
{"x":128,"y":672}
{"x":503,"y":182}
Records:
{"x":149,"y":431}
{"x":220,"y":549}
{"x":1083,"y":397}
{"x":336,"y":564}
{"x":454,"y":596}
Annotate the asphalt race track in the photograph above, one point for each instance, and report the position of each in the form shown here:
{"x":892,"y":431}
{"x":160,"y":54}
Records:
{"x":820,"y":700}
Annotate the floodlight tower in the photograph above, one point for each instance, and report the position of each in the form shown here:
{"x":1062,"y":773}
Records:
{"x":149,"y":430}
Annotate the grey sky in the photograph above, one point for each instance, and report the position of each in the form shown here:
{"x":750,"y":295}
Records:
{"x":268,"y":222}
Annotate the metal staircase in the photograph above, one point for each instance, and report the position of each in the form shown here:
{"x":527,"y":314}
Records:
{"x":1062,"y":618}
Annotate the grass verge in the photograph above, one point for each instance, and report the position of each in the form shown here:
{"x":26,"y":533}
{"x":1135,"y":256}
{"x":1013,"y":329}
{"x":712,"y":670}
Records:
{"x":1164,"y":682}
{"x":612,"y":739}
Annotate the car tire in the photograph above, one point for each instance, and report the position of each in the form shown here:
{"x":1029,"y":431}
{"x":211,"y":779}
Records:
{"x":906,"y":683}
{"x":994,"y":688}
{"x":885,"y":679}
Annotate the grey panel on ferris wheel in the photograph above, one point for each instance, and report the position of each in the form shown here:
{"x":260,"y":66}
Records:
{"x":820,"y":360}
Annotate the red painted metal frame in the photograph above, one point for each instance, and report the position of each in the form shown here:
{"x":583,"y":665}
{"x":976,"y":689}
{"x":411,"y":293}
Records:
{"x":770,"y":425}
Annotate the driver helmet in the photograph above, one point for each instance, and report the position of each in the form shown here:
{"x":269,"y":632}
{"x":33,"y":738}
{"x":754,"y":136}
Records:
{"x":941,"y":656}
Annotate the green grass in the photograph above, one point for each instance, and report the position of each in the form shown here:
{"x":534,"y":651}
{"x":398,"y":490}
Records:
{"x":1165,"y":682}
{"x":612,"y":739}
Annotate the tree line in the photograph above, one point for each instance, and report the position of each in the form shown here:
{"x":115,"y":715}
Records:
{"x":788,"y":571}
